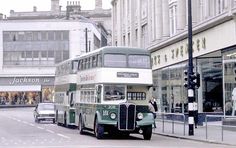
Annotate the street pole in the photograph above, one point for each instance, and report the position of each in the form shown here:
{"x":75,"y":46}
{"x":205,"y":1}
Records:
{"x":191,"y":87}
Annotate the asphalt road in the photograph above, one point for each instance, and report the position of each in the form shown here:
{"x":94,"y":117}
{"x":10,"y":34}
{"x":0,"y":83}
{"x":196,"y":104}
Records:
{"x":18,"y":130}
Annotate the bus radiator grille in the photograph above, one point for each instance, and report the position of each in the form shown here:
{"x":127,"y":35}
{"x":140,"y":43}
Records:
{"x":127,"y":117}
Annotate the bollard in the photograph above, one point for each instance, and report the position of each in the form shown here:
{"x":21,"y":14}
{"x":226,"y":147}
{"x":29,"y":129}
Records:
{"x":173,"y":124}
{"x":222,"y":129}
{"x":206,"y":126}
{"x":163,"y":123}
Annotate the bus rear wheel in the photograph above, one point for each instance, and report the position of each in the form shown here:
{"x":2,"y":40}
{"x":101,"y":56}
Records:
{"x":65,"y":120}
{"x":81,"y":126}
{"x":147,"y":132}
{"x":98,"y":130}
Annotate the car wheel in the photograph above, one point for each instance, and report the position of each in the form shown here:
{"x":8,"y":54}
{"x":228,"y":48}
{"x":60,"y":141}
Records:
{"x":36,"y":119}
{"x":98,"y":130}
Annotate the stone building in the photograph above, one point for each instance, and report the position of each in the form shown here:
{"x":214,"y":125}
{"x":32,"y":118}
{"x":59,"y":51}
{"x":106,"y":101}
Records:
{"x":160,"y":26}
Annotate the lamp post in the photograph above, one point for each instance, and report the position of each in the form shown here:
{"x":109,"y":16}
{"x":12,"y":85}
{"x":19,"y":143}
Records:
{"x":190,"y":86}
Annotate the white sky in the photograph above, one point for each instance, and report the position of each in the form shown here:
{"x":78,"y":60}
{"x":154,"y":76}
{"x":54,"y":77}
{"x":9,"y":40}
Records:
{"x":44,"y":5}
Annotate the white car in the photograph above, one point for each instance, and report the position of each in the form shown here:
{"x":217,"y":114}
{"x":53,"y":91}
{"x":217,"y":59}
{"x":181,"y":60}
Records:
{"x":44,"y":112}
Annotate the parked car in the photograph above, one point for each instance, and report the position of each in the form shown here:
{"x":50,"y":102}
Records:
{"x":44,"y":112}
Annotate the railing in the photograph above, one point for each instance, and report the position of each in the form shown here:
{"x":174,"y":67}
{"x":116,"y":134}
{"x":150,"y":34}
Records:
{"x":173,"y":118}
{"x":220,"y":127}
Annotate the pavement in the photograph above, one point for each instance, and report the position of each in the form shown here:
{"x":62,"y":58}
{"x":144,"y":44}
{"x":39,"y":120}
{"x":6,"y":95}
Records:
{"x":212,"y":133}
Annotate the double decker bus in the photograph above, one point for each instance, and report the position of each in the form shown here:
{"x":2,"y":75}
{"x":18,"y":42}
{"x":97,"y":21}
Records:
{"x":112,"y":92}
{"x":65,"y":92}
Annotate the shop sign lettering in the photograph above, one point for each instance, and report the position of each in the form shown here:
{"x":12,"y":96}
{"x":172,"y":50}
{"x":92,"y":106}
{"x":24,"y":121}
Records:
{"x":179,"y":52}
{"x":25,"y":80}
{"x":87,"y":78}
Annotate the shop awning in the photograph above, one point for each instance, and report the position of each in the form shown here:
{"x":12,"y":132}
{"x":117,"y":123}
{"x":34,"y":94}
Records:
{"x":20,"y":88}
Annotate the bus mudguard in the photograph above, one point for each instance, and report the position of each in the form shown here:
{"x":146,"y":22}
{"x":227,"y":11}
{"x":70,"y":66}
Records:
{"x":147,"y":120}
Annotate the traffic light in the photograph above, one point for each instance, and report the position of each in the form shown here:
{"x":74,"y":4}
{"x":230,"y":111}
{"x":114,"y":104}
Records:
{"x":197,"y":85}
{"x":186,"y":78}
{"x":195,"y":80}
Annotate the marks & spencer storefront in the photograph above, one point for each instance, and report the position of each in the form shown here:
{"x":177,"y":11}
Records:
{"x":214,"y":59}
{"x":26,"y":90}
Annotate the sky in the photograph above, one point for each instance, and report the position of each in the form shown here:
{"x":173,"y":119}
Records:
{"x":44,"y":5}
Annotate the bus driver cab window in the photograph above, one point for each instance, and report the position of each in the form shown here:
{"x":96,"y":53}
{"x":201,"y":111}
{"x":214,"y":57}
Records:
{"x":114,"y":92}
{"x":98,"y":92}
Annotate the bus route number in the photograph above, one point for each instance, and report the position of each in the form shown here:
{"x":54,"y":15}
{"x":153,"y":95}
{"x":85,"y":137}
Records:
{"x":105,"y":112}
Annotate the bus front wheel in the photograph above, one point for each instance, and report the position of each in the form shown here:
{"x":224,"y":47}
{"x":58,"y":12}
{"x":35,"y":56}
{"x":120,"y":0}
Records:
{"x":98,"y":130}
{"x":147,"y":132}
{"x":81,"y":126}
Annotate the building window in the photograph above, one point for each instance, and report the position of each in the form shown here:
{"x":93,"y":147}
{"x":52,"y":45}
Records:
{"x":220,"y":6}
{"x":124,"y":40}
{"x":35,"y":47}
{"x":173,"y":18}
{"x":144,"y":36}
{"x":97,"y":42}
{"x":128,"y":39}
{"x":35,"y":54}
{"x":169,"y":90}
{"x":29,"y":54}
{"x":229,"y":71}
{"x":136,"y":37}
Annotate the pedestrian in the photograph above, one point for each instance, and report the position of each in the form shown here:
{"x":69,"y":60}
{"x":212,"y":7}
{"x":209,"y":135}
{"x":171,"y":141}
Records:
{"x":154,"y":104}
{"x":153,"y":108}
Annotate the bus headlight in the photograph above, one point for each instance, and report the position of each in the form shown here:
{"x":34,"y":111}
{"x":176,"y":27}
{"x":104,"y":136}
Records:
{"x":140,"y":116}
{"x":113,"y":116}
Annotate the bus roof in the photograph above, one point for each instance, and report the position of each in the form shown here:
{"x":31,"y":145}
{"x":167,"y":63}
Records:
{"x":110,"y":49}
{"x":118,"y":49}
{"x":70,"y":59}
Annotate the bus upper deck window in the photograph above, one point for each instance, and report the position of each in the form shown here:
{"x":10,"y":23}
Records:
{"x":139,"y":61}
{"x":115,"y":60}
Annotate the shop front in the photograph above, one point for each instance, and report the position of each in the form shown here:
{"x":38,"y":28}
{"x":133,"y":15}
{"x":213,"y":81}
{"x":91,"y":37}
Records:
{"x":213,"y":58}
{"x":229,"y":85}
{"x":26,"y":90}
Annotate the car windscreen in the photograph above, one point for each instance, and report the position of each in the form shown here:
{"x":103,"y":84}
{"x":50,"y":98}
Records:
{"x":46,"y":107}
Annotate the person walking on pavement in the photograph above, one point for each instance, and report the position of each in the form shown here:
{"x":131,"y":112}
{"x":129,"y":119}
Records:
{"x":153,"y":108}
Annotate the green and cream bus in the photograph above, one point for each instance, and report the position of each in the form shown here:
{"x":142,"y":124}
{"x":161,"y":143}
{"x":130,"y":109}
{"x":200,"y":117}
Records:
{"x":112,"y":92}
{"x":65,"y":92}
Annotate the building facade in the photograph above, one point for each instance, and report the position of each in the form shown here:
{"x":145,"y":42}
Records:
{"x":102,"y":17}
{"x":161,"y":27}
{"x":29,"y":50}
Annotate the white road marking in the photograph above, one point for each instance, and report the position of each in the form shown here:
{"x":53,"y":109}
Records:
{"x":50,"y":131}
{"x":31,"y":124}
{"x":63,"y":136}
{"x":40,"y":127}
